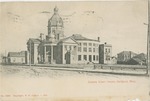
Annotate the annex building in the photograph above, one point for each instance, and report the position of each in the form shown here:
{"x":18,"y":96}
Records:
{"x":58,"y":49}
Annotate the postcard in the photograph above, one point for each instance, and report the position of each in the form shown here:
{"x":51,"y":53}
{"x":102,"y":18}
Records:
{"x":75,"y":51}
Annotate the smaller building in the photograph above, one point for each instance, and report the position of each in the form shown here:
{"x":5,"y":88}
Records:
{"x":139,"y":59}
{"x":124,"y":56}
{"x":4,"y":60}
{"x":17,"y":57}
{"x":105,"y":53}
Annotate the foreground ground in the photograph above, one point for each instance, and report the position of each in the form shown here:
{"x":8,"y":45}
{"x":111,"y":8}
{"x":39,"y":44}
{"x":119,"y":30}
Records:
{"x":23,"y":83}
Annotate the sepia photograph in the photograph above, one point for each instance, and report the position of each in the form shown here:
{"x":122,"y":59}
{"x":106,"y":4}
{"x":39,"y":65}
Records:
{"x":75,"y":50}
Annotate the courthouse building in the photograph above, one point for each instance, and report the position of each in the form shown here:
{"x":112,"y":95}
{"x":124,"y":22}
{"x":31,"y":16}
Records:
{"x":56,"y":48}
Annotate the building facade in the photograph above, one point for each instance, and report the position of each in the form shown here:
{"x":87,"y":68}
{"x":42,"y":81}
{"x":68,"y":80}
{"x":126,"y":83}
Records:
{"x":17,"y":57}
{"x":105,"y":51}
{"x":124,"y":56}
{"x":88,"y":49}
{"x":58,"y":49}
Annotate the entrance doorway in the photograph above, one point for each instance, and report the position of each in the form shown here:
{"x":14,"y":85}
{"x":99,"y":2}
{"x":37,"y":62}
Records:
{"x":68,"y":57}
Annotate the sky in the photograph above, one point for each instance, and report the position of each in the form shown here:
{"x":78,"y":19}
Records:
{"x":119,"y":23}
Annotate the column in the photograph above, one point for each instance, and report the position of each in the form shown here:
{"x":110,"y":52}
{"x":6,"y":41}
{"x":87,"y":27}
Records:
{"x":45,"y":54}
{"x":51,"y":54}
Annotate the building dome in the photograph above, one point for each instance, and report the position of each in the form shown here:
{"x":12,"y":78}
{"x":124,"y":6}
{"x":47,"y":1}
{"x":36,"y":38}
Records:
{"x":55,"y":20}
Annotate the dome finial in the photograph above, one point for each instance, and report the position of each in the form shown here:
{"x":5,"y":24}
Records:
{"x":55,"y":9}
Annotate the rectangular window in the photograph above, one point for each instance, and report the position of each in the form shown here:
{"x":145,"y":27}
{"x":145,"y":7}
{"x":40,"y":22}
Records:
{"x":84,"y":49}
{"x":93,"y":57}
{"x":79,"y":49}
{"x":90,"y":44}
{"x":93,"y":44}
{"x":90,"y":58}
{"x":84,"y":44}
{"x":107,"y":57}
{"x":109,"y":50}
{"x":85,"y":57}
{"x":90,"y":49}
{"x":93,"y":49}
{"x":106,"y":50}
{"x":79,"y":57}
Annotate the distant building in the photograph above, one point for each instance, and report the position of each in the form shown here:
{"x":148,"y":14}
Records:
{"x":4,"y":60}
{"x":139,"y":59}
{"x":105,"y":53}
{"x":56,"y":48}
{"x":124,"y":56}
{"x":17,"y":57}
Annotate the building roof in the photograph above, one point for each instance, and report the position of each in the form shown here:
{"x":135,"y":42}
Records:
{"x":65,"y":39}
{"x":34,"y":40}
{"x":141,"y":56}
{"x":17,"y":54}
{"x":127,"y":52}
{"x":80,"y":37}
{"x":135,"y":61}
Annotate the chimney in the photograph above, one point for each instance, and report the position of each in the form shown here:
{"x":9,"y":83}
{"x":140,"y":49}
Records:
{"x":98,"y":38}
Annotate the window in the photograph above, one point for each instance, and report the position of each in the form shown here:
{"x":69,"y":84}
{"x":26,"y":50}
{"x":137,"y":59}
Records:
{"x":90,"y":44}
{"x":79,"y":57}
{"x":90,"y":58}
{"x":107,"y":57}
{"x":79,"y":49}
{"x":106,"y":50}
{"x":84,"y":44}
{"x":93,"y":49}
{"x":85,"y":57}
{"x":109,"y":50}
{"x":93,"y":44}
{"x":90,"y":49}
{"x":84,"y":49}
{"x":94,"y":57}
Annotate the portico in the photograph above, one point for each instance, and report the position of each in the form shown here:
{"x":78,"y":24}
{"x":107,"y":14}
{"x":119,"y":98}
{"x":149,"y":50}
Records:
{"x":50,"y":53}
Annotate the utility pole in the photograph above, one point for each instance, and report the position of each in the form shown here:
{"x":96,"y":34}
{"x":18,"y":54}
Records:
{"x":148,"y":41}
{"x":30,"y":54}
